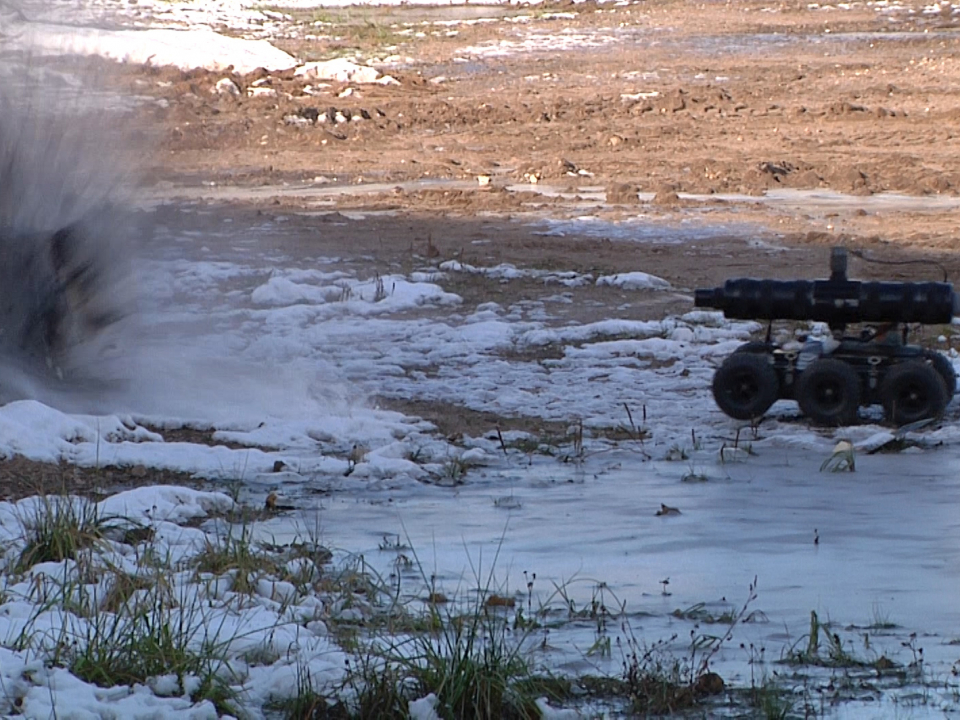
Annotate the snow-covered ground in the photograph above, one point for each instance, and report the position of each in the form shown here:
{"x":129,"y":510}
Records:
{"x":36,"y":621}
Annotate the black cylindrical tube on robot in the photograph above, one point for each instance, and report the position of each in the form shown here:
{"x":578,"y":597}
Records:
{"x":832,"y":301}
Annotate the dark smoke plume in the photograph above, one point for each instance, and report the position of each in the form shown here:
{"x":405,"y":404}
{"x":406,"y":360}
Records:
{"x":68,"y":237}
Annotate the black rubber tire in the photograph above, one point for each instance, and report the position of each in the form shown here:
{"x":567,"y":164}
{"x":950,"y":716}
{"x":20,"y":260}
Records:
{"x":945,"y":368}
{"x":828,"y":392}
{"x":754,"y":346}
{"x":913,"y":391}
{"x":746,"y":385}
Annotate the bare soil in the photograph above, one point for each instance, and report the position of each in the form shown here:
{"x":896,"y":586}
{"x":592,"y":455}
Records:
{"x":21,"y":477}
{"x":660,"y":97}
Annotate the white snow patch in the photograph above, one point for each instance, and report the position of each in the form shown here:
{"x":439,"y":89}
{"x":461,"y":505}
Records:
{"x":390,"y":293}
{"x":506,"y":271}
{"x":170,"y":503}
{"x":541,"y":41}
{"x":339,"y":69}
{"x":547,"y":712}
{"x":425,"y":708}
{"x":634,"y":281}
{"x":185,"y":49}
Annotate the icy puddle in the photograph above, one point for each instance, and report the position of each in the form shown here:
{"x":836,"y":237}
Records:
{"x":579,"y":202}
{"x":875,"y":553}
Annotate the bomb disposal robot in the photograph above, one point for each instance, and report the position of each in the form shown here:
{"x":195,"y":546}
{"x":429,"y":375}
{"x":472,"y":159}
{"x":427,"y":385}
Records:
{"x":832,"y":378}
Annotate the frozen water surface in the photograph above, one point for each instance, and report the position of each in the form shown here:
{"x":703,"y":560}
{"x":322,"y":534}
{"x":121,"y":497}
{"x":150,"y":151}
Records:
{"x":887,"y":551}
{"x":587,"y":197}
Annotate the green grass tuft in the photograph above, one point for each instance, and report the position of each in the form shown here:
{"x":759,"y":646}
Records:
{"x":60,"y":528}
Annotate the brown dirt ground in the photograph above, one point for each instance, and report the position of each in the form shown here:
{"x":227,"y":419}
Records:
{"x":20,"y":477}
{"x":751,"y":96}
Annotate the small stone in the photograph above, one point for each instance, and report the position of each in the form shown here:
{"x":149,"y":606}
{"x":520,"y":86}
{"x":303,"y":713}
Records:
{"x":709,"y":684}
{"x":226,"y":86}
{"x":357,"y":453}
{"x":667,"y":510}
{"x":272,"y":504}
